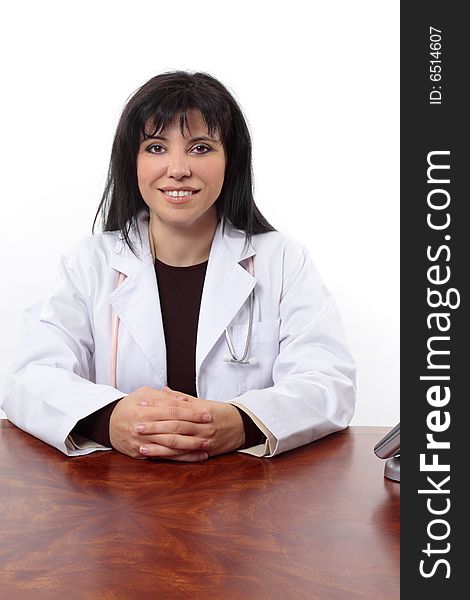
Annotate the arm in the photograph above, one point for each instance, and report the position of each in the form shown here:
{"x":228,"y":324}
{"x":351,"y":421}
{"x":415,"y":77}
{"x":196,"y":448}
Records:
{"x":314,"y":374}
{"x":96,"y":426}
{"x":51,"y":392}
{"x":50,"y":385}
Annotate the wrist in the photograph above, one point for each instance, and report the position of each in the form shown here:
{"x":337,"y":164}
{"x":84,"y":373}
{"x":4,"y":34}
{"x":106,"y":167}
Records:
{"x":238,"y":427}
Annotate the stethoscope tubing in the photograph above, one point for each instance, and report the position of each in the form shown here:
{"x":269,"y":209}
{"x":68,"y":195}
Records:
{"x":233,"y":357}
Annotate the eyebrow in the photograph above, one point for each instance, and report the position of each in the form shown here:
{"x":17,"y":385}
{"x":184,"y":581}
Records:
{"x":200,"y":138}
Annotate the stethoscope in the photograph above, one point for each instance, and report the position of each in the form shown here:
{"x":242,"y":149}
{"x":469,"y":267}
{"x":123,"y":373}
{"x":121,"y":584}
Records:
{"x":229,"y":358}
{"x":232,"y":358}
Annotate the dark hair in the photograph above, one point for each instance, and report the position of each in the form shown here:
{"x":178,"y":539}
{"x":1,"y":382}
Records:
{"x":159,"y":101}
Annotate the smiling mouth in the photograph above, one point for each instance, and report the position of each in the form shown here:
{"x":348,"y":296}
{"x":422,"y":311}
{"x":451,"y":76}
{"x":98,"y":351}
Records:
{"x":179,"y":193}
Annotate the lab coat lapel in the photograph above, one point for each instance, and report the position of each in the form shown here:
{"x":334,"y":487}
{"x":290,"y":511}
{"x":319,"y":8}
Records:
{"x":227,"y":286}
{"x":137,"y":304}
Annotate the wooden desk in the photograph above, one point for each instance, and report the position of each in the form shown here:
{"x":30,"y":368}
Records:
{"x":319,"y":522}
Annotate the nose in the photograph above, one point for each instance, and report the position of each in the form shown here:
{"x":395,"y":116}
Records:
{"x":178,"y":165}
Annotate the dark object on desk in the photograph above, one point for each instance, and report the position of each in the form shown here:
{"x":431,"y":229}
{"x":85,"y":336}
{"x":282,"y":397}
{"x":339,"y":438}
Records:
{"x":389,"y":447}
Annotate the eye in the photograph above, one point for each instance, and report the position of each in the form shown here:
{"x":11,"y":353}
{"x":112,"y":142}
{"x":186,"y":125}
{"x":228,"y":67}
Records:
{"x":201,"y":149}
{"x":155,"y":149}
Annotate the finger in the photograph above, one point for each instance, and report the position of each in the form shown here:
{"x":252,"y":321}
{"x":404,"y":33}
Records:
{"x":179,"y":427}
{"x":172,"y":441}
{"x":174,"y":413}
{"x":178,"y":395}
{"x":164,"y":398}
{"x":154,"y":450}
{"x":175,"y":394}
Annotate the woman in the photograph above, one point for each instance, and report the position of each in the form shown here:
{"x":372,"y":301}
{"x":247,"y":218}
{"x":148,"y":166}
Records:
{"x":189,"y":327}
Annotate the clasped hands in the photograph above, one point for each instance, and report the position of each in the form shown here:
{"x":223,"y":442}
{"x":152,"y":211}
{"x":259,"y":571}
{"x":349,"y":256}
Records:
{"x":150,"y":423}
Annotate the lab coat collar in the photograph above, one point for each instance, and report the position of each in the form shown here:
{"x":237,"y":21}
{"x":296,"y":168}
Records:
{"x":227,"y":286}
{"x":123,"y":259}
{"x":226,"y":239}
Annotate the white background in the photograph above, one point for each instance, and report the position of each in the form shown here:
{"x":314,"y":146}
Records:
{"x":319,"y":84}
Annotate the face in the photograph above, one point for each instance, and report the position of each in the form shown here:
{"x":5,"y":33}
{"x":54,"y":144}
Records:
{"x":180,"y":175}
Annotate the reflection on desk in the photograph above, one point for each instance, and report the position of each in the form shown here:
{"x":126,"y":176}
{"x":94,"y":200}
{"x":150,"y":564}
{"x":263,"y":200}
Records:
{"x":319,"y":522}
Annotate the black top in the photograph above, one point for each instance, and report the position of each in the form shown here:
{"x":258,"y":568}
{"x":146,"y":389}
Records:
{"x":180,"y":290}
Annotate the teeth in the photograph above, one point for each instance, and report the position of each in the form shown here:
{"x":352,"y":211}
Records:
{"x":179,"y":194}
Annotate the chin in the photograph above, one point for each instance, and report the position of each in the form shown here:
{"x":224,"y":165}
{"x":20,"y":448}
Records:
{"x":185,"y":217}
{"x":178,"y":218}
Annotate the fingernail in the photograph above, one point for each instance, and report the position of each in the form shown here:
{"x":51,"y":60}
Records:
{"x":206,"y":417}
{"x":142,"y":403}
{"x":143,"y":450}
{"x":203,"y":456}
{"x":140,"y":428}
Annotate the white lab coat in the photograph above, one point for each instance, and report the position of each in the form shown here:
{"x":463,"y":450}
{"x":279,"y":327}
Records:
{"x":300,"y":389}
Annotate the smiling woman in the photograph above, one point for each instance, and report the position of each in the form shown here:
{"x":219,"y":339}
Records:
{"x":180,"y":179}
{"x":130,"y":350}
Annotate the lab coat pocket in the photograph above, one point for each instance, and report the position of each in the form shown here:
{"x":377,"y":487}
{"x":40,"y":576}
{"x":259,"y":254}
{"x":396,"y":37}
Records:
{"x":266,"y":331}
{"x":263,"y":332}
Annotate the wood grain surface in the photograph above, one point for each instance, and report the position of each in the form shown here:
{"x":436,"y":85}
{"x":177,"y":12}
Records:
{"x":320,"y":522}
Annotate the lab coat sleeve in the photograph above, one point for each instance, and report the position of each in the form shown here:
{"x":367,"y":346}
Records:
{"x":50,"y":386}
{"x":314,"y":374}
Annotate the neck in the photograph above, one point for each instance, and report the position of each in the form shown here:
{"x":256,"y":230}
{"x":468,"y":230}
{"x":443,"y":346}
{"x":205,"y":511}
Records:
{"x":182,"y":246}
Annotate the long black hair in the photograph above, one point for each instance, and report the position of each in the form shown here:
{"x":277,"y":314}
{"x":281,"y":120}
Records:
{"x":159,"y":101}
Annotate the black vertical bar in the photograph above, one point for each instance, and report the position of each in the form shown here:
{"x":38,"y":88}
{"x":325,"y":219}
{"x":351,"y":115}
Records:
{"x":435,"y":352}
